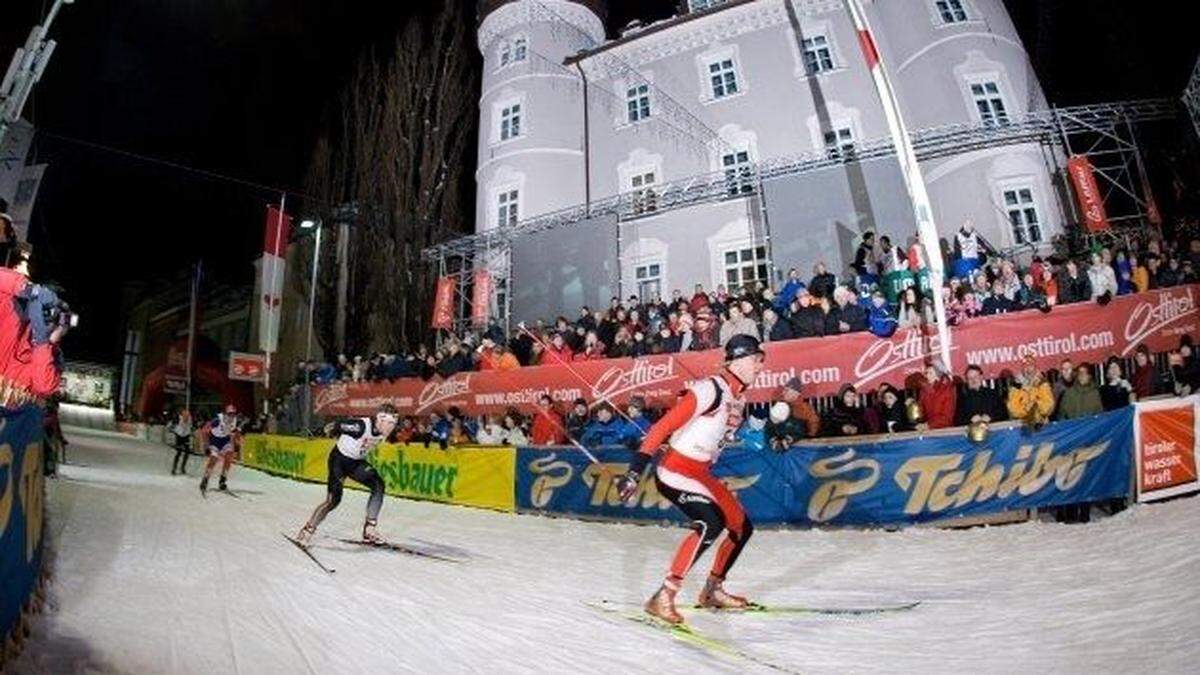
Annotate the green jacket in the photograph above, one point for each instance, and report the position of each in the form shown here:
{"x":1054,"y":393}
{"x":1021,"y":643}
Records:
{"x":1080,"y":401}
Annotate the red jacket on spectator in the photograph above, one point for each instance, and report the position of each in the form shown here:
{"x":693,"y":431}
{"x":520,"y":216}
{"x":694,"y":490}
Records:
{"x":488,"y":359}
{"x":547,"y":428}
{"x":593,"y":353}
{"x":21,"y":363}
{"x":938,"y":401}
{"x":698,"y":300}
{"x":555,"y":357}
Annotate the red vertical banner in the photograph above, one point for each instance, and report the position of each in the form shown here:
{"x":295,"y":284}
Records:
{"x":276,"y":232}
{"x":443,"y":303}
{"x":481,"y":297}
{"x":1091,"y":204}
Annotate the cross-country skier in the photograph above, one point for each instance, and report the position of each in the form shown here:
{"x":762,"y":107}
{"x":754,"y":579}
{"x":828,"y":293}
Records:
{"x":706,"y":414}
{"x":181,"y":430}
{"x":222,"y":436}
{"x":356,"y":437}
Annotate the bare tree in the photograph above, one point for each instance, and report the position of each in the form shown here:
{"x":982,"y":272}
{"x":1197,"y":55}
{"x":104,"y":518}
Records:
{"x":400,"y":144}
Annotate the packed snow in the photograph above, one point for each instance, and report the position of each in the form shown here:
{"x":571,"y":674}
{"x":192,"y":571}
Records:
{"x":150,"y":577}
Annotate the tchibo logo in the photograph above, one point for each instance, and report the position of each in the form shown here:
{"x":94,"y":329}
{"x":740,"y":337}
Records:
{"x":1149,"y":317}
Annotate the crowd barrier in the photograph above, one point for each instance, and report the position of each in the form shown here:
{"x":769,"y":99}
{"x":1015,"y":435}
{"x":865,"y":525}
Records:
{"x":21,"y":502}
{"x":998,"y":344}
{"x":469,"y":476}
{"x":874,"y":481}
{"x":1147,"y":451}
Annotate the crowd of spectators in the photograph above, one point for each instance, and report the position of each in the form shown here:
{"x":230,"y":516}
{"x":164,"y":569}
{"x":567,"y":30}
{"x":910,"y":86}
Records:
{"x":880,"y":292}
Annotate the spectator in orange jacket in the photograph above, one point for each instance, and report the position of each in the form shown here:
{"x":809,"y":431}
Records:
{"x":801,"y":409}
{"x":504,"y":359}
{"x":548,"y":428}
{"x":938,"y":397}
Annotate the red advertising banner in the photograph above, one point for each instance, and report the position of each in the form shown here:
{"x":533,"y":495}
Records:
{"x":1091,"y":204}
{"x":481,"y":297}
{"x":248,"y":367}
{"x":1165,"y":434}
{"x":443,"y":303}
{"x":1081,"y":332}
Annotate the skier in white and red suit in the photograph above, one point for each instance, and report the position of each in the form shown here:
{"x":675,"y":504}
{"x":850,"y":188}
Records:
{"x":707,"y":413}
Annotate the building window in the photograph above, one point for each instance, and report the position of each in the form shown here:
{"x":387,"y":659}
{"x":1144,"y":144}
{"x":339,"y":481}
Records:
{"x":697,"y":5}
{"x":638,"y":102}
{"x":645,"y":199}
{"x":519,"y":49}
{"x":745,"y":266}
{"x":738,"y":172}
{"x":723,"y":77}
{"x":507,"y":208}
{"x":510,"y":122}
{"x":951,"y":11}
{"x":505,"y":53}
{"x":649,"y":281}
{"x":1023,"y":216}
{"x":990,"y":104}
{"x":839,"y":143}
{"x":817,"y":56}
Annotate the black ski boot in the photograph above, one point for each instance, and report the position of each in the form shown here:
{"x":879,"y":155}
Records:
{"x":221,"y":485}
{"x":204,"y":485}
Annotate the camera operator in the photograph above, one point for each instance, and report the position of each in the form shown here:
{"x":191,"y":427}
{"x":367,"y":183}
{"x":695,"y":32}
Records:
{"x":33,"y":320}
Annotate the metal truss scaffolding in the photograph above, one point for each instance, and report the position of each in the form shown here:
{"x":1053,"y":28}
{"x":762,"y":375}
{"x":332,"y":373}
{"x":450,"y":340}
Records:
{"x":1191,"y":97}
{"x":1103,"y":131}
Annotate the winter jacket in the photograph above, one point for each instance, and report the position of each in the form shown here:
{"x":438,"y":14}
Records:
{"x":1026,"y":401}
{"x":1144,"y":380}
{"x":1103,"y":280}
{"x":892,"y":420}
{"x":1074,"y":289}
{"x":938,"y":402}
{"x":806,"y":415}
{"x":881,"y":322}
{"x":785,"y":297}
{"x":822,"y":285}
{"x":1124,"y":277}
{"x":1080,"y":401}
{"x":981,"y":401}
{"x":997,"y":304}
{"x":841,"y":415}
{"x":597,"y":434}
{"x":548,"y":428}
{"x":808,"y":322}
{"x":742,"y":326}
{"x":1115,"y":394}
{"x":780,"y":331}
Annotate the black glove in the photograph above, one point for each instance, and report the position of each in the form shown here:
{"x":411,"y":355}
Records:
{"x":627,"y":485}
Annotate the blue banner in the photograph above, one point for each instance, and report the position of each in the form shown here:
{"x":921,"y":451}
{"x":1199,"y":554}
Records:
{"x":21,"y":493}
{"x":879,"y":481}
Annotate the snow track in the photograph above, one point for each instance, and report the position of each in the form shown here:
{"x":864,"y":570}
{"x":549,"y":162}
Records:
{"x":151,"y":578}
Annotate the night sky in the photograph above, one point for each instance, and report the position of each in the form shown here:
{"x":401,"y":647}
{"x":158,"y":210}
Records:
{"x":241,"y":87}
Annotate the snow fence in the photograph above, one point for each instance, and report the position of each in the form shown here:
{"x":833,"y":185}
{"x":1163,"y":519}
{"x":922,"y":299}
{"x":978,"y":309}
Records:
{"x":22,"y":493}
{"x":1148,"y":450}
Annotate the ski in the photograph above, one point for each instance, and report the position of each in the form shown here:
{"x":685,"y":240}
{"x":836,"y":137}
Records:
{"x":229,"y":492}
{"x":308,"y":553}
{"x":686,"y":634}
{"x":400,"y":548}
{"x":756,"y":608}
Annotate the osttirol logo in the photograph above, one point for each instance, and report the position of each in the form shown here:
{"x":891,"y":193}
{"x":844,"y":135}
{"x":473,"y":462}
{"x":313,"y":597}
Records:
{"x":419,"y":479}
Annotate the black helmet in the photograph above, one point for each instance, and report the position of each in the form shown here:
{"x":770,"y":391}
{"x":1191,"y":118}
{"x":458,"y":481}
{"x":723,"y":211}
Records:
{"x":742,"y":345}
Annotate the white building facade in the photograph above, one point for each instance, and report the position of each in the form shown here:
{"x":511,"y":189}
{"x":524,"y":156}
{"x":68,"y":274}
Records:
{"x":568,"y":118}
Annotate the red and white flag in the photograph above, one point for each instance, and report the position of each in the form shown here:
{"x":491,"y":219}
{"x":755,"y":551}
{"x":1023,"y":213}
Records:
{"x":275,"y":243}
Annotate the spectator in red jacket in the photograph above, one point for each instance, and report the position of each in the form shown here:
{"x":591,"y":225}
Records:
{"x":593,"y":348}
{"x":557,"y":352}
{"x":700,"y":299}
{"x":938,"y":397}
{"x":548,"y":428}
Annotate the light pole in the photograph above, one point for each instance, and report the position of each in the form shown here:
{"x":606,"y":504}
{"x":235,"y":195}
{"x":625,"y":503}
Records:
{"x":309,"y":224}
{"x":26,"y":69}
